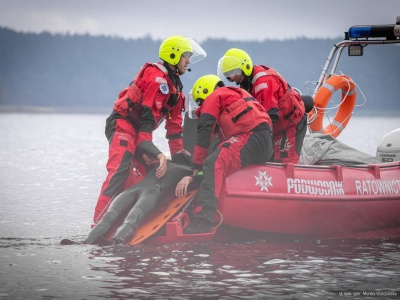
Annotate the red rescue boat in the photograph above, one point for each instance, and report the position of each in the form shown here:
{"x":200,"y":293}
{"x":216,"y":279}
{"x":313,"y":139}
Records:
{"x":318,"y":201}
{"x":314,"y":201}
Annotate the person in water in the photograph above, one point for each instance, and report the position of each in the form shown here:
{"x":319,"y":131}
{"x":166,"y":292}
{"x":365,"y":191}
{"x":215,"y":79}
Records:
{"x":142,"y":199}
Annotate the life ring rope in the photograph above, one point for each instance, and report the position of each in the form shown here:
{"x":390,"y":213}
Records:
{"x":344,"y":108}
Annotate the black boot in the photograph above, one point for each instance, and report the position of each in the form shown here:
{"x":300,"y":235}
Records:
{"x":198,"y":225}
{"x":117,"y":241}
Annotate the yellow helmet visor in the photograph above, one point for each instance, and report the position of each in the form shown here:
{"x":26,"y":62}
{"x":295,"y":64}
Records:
{"x":193,"y":50}
{"x":192,"y":105}
{"x":229,"y":66}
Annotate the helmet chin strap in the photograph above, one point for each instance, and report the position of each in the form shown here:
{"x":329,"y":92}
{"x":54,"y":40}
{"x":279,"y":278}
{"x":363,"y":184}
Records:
{"x":176,"y":70}
{"x":172,"y":68}
{"x":173,"y":73}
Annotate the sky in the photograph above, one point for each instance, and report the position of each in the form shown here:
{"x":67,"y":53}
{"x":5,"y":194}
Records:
{"x":239,"y":20}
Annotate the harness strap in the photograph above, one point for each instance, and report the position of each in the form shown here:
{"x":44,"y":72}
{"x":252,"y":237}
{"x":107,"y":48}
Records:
{"x":239,"y":115}
{"x":291,"y":113}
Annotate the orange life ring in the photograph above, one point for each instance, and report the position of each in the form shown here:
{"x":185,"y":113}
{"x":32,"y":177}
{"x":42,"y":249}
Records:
{"x":345,"y":109}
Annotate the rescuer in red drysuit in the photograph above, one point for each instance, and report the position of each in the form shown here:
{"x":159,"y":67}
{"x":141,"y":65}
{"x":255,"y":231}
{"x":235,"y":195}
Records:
{"x":155,"y":94}
{"x":244,"y":130}
{"x":283,"y":103}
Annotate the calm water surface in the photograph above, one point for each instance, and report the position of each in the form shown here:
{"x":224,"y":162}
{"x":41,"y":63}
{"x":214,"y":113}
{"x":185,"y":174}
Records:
{"x":52,"y":167}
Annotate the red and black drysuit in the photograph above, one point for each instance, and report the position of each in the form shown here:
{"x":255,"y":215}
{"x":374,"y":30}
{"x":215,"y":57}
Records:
{"x":244,"y":129}
{"x":286,"y":109}
{"x":154,"y":95}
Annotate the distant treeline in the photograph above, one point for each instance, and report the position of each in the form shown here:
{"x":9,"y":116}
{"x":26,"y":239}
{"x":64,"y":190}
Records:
{"x":86,"y":72}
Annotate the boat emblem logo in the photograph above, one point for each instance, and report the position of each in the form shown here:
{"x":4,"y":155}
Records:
{"x":263,"y":181}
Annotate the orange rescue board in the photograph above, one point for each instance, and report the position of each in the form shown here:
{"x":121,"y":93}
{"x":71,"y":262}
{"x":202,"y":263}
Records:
{"x":151,"y":226}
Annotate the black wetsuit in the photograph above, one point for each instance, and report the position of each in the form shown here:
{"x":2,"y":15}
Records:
{"x":142,"y":198}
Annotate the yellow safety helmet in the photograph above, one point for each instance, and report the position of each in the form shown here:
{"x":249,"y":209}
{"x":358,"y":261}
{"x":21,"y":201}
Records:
{"x":172,"y":48}
{"x":233,"y":62}
{"x":204,"y":86}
